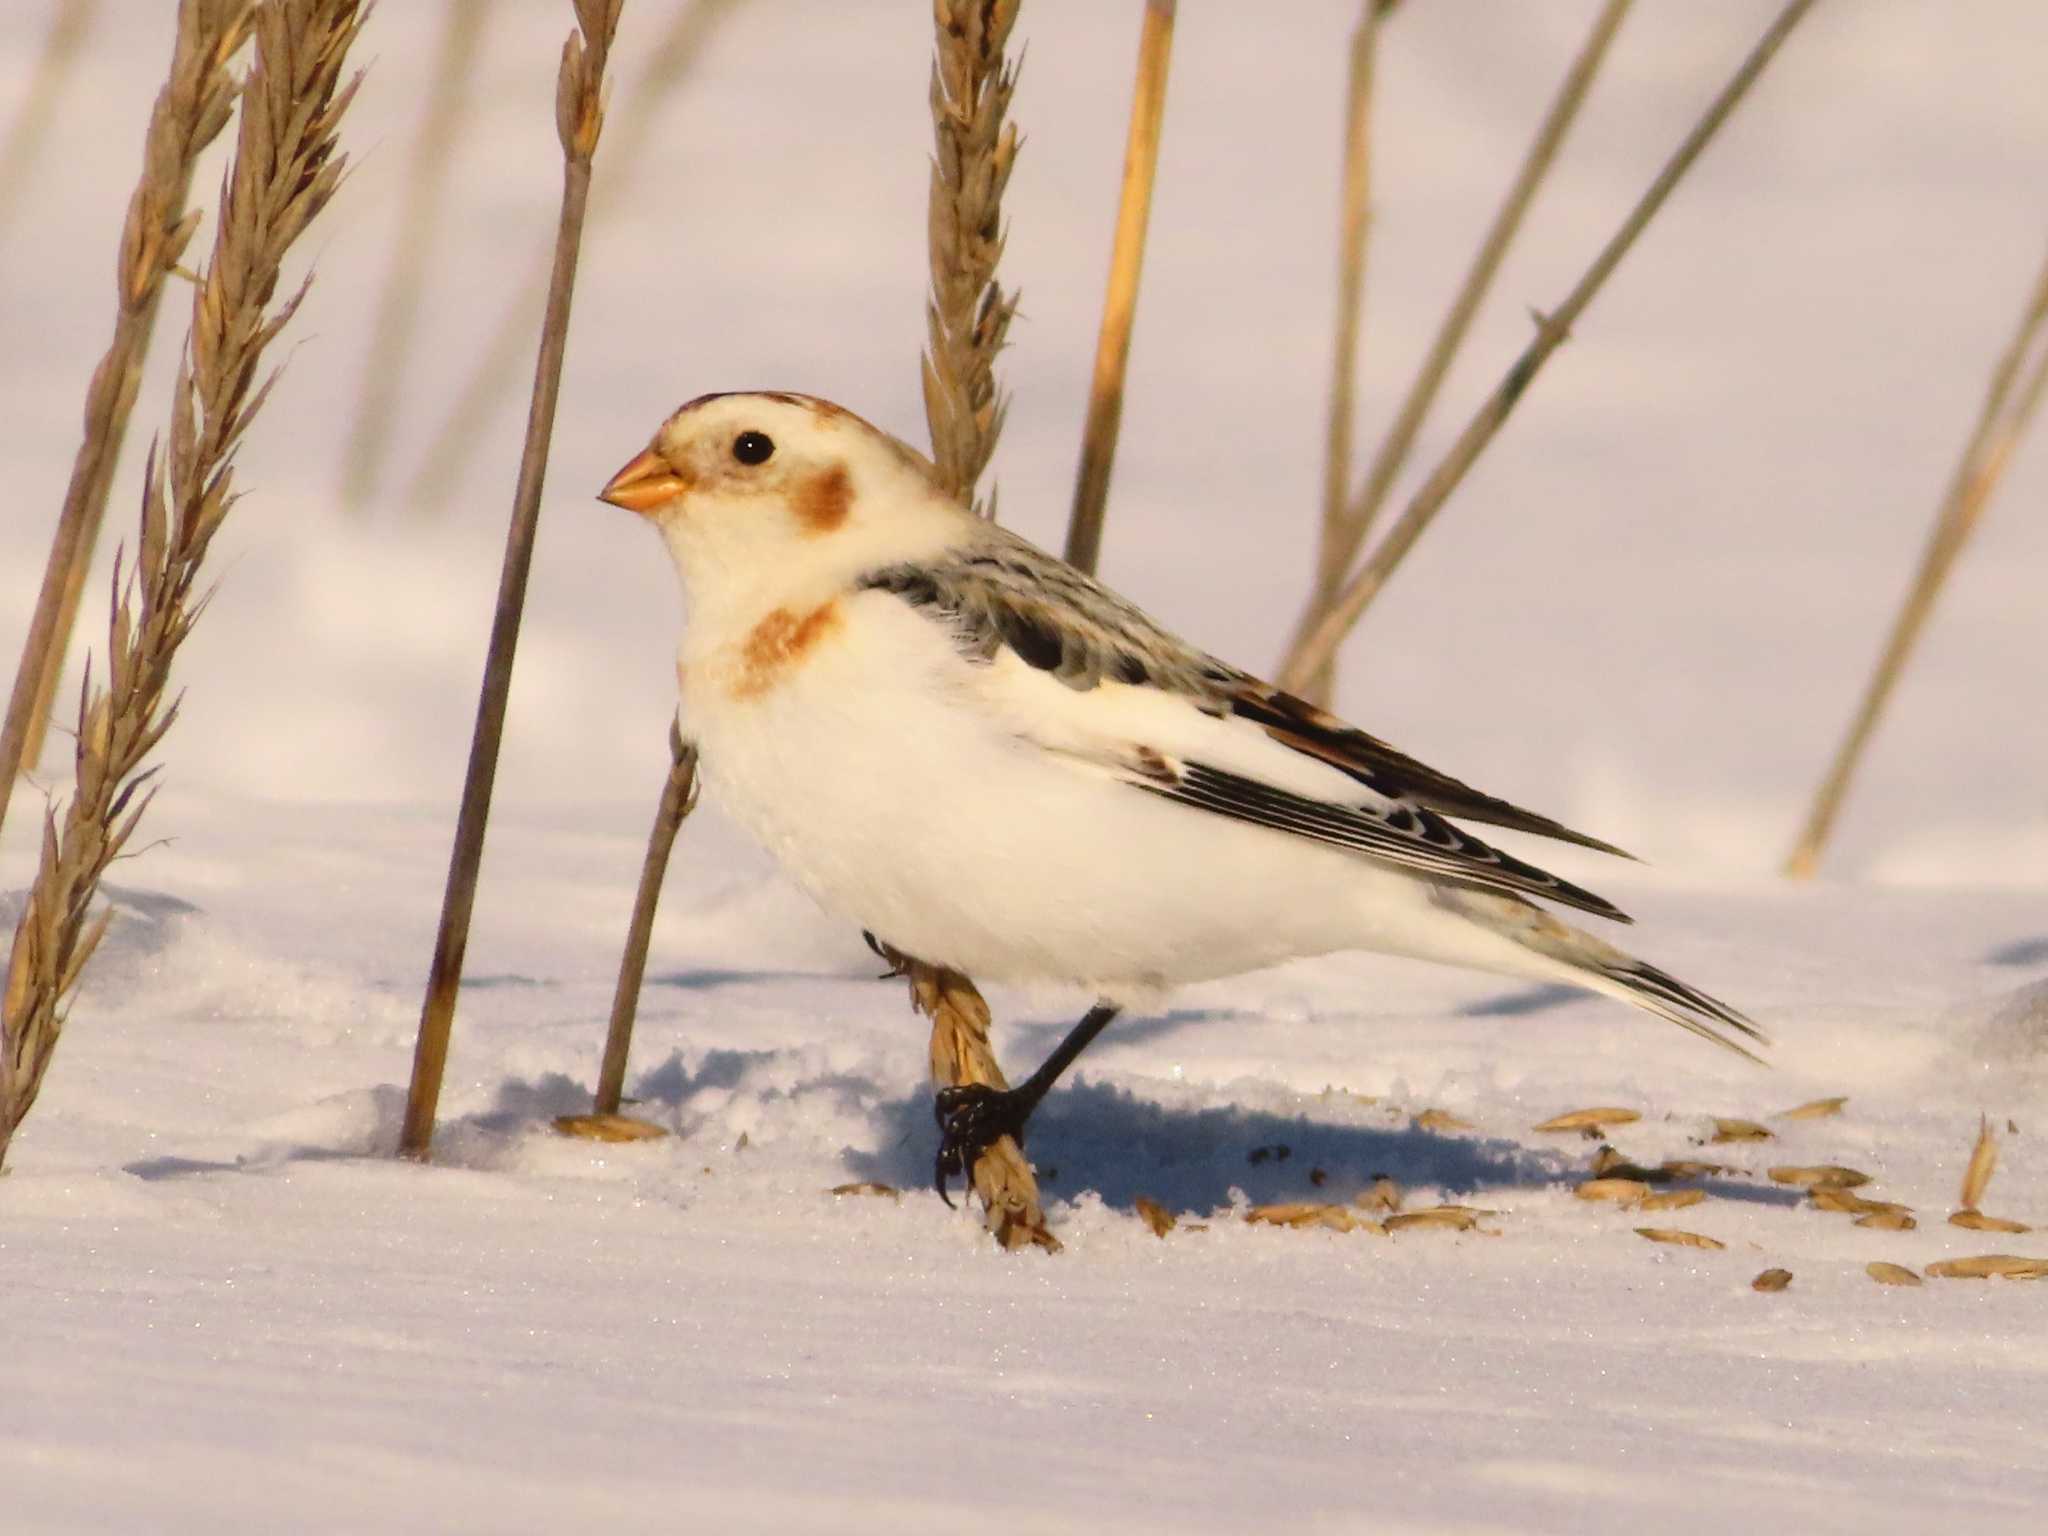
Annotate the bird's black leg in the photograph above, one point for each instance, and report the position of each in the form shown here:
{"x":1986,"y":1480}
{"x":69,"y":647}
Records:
{"x":973,"y":1115}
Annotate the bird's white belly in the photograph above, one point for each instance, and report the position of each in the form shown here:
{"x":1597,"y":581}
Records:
{"x":915,"y":816}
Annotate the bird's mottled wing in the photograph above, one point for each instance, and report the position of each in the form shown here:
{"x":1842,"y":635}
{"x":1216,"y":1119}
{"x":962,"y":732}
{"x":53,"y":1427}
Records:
{"x":1001,"y":593}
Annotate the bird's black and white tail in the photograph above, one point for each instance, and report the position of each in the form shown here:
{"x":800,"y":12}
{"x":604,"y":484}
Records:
{"x":1556,"y":951}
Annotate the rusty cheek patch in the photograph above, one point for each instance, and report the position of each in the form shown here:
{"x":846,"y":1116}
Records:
{"x":823,"y":501}
{"x":777,"y":646}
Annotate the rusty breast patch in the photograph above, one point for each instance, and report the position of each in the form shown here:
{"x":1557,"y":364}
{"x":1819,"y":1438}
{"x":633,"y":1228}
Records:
{"x":823,"y":500}
{"x":777,"y":646}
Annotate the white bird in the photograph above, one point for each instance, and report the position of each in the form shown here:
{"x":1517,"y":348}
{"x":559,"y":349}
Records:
{"x":990,"y":761}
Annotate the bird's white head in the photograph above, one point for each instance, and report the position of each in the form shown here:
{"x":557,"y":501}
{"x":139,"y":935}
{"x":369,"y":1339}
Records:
{"x":766,"y":488}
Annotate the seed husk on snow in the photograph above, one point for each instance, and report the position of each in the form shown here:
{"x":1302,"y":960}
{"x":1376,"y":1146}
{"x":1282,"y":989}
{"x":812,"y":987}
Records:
{"x":1458,"y":1218}
{"x":1441,"y":1120}
{"x":1726,"y":1130}
{"x":1672,"y":1200}
{"x":1623,"y":1191}
{"x":1154,"y":1215}
{"x":1887,"y":1221}
{"x":1977,"y":1221}
{"x":1307,"y":1213}
{"x":1689,"y":1168}
{"x":1682,"y":1238}
{"x":1890,"y":1274}
{"x":867,"y":1187}
{"x":1772,"y":1280}
{"x":1829,"y":1199}
{"x":1816,"y":1109}
{"x":1385,"y":1195}
{"x":1990,"y":1266}
{"x":1983,"y":1159}
{"x":608,"y":1127}
{"x":1820,"y":1176}
{"x":1590,"y":1119}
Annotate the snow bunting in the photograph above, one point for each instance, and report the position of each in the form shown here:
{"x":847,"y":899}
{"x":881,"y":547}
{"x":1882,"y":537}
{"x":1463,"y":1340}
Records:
{"x":990,"y":761}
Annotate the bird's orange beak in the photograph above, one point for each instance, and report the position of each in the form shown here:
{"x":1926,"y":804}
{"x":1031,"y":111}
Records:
{"x":644,"y":484}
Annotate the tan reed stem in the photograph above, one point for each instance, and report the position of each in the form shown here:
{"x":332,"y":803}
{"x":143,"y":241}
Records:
{"x":678,"y":799}
{"x":1551,"y":331}
{"x":461,"y":433}
{"x":31,"y":125}
{"x":975,"y":147}
{"x":1120,"y":304}
{"x":2010,"y":402}
{"x":1353,"y":223}
{"x":285,"y":169}
{"x":419,"y":221}
{"x":1345,"y":529}
{"x":579,"y":119}
{"x":194,"y":105}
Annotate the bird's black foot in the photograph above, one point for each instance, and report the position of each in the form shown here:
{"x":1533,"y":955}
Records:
{"x":972,"y":1117}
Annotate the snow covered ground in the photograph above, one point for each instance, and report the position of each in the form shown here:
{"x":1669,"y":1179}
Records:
{"x":224,"y":1303}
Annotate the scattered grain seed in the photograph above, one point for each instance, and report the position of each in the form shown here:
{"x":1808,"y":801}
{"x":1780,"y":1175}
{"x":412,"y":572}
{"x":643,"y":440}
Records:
{"x":1686,"y":1168}
{"x":1887,"y":1221}
{"x":1622,"y":1191}
{"x":1681,"y":1238}
{"x":1821,"y":1176}
{"x":1673,"y":1200}
{"x":1990,"y":1266}
{"x":1983,"y":1159}
{"x":1590,"y":1119}
{"x":1286,"y":1213}
{"x":1154,"y":1215}
{"x":1826,"y":1199}
{"x":867,"y":1187}
{"x":1977,"y":1221}
{"x":1738,"y":1130}
{"x":608,"y":1127}
{"x":1890,"y":1274}
{"x":1385,"y":1195}
{"x":1441,"y":1120}
{"x":1772,"y":1280}
{"x":1459,"y":1218}
{"x":1817,"y":1109}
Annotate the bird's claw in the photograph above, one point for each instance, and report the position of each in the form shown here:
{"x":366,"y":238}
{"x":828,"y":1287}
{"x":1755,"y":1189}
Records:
{"x":973,"y":1117}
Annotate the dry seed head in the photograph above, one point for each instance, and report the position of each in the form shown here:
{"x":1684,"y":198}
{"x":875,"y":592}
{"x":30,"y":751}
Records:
{"x":1820,"y":1176}
{"x":1977,"y":1221}
{"x":1890,"y":1274}
{"x":1681,"y":1238}
{"x":1772,"y":1280}
{"x":1990,"y":1266}
{"x":1589,"y":1119}
{"x":1726,"y":1130}
{"x":1983,"y":1161}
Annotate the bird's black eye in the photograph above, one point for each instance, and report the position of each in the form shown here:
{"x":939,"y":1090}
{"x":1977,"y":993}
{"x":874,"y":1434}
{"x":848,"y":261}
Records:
{"x":752,"y":447}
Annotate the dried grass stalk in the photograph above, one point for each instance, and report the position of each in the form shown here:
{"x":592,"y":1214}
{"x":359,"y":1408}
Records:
{"x":461,"y":433}
{"x":1346,"y":524}
{"x":193,"y":106}
{"x":1322,"y":640}
{"x":1120,"y":304}
{"x":579,"y":120}
{"x":2009,"y":405}
{"x":421,"y":205}
{"x":678,"y":799}
{"x":975,"y":147}
{"x":285,"y":169}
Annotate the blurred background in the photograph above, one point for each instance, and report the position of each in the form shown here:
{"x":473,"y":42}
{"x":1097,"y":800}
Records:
{"x":1649,"y":611}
